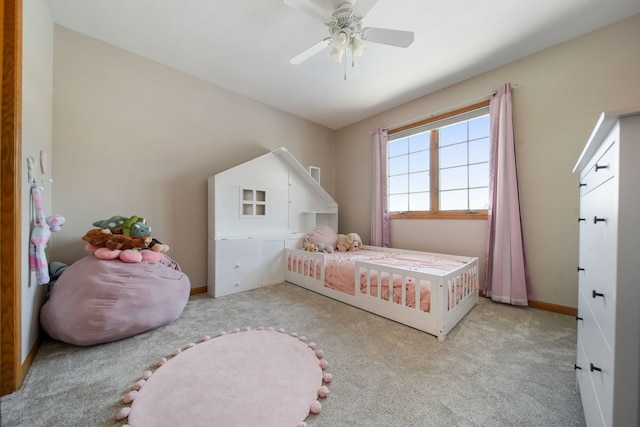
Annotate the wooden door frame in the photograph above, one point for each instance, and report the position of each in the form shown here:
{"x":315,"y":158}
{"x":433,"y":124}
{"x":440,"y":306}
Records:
{"x":11,"y":372}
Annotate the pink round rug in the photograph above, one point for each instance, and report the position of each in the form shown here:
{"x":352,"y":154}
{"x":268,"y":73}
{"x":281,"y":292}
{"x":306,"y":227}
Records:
{"x":257,"y":377}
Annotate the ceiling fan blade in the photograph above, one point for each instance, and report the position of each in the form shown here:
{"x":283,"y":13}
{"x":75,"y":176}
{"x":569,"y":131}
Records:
{"x":362,"y":7}
{"x":391,"y":37}
{"x":310,"y":51}
{"x":310,"y":8}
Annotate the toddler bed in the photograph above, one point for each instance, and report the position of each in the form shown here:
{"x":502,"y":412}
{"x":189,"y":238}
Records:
{"x":430,"y":292}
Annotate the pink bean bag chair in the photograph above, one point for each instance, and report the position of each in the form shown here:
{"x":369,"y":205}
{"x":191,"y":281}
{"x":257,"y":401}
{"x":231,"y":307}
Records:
{"x":97,"y":301}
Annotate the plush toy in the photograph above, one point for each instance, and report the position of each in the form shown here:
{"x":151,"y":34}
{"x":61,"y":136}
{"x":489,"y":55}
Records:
{"x":128,"y":226}
{"x":127,"y":255}
{"x":104,"y":238}
{"x":349,"y":242}
{"x":138,"y":229}
{"x":113,"y":224}
{"x":124,"y":238}
{"x":356,"y":242}
{"x":324,"y":248}
{"x":40,"y":234}
{"x":344,"y":242}
{"x":135,"y":225}
{"x":158,"y":246}
{"x":56,"y":269}
{"x":308,"y":246}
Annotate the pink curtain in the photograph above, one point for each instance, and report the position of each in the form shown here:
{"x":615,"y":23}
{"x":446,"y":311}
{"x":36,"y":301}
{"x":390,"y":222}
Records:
{"x":506,"y":278}
{"x":379,"y":209}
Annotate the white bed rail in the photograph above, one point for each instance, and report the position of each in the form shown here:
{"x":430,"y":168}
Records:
{"x":452,"y":294}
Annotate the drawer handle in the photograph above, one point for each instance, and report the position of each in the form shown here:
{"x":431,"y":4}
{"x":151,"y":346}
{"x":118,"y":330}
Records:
{"x":594,"y":368}
{"x":580,"y":269}
{"x":581,"y":184}
{"x":579,"y":318}
{"x":595,"y":294}
{"x":598,"y":167}
{"x":597,"y":220}
{"x":575,"y":367}
{"x":582,"y":219}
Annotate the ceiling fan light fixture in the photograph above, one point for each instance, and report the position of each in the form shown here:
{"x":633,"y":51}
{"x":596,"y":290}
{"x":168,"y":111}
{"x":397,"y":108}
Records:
{"x":357,"y":47}
{"x":342,"y":39}
{"x":336,"y":54}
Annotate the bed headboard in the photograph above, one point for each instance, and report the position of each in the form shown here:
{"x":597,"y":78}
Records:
{"x":255,"y":210}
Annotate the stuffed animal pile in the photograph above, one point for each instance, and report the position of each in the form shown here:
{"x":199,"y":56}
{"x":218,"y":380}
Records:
{"x":125,"y":238}
{"x":345,"y":243}
{"x":309,"y":246}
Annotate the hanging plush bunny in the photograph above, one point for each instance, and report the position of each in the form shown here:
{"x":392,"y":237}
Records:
{"x":42,"y":228}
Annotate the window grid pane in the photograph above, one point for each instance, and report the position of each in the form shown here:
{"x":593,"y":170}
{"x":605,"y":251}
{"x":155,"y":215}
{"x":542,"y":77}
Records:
{"x":462,"y":151}
{"x":420,"y":201}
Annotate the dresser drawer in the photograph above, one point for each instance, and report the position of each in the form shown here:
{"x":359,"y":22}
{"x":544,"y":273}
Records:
{"x":585,"y":385}
{"x":599,"y":219}
{"x":603,"y":167}
{"x":237,"y":275}
{"x":598,"y":313}
{"x":237,"y":266}
{"x":598,"y":365}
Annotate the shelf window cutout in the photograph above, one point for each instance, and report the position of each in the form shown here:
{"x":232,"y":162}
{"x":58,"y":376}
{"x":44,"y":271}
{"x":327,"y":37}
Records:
{"x":314,"y":171}
{"x":253,"y":203}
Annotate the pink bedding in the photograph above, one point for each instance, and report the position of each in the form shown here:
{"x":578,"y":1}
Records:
{"x":340,"y":270}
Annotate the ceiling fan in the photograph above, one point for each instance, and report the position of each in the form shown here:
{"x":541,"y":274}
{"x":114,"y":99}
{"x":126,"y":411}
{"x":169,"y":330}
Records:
{"x":345,"y":30}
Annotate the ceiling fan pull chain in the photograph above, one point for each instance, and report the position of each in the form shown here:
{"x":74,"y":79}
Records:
{"x":345,"y":70}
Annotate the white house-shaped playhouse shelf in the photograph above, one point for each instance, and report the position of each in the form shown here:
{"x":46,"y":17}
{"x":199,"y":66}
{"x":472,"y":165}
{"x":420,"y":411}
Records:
{"x":255,"y":211}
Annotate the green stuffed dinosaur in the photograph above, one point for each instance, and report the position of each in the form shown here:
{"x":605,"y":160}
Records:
{"x":136,"y":226}
{"x":113,"y":224}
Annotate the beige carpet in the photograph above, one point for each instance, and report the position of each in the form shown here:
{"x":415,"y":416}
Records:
{"x":501,"y":366}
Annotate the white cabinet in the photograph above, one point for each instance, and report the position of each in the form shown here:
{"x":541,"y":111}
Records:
{"x":255,"y":211}
{"x":237,"y":265}
{"x":608,"y":354}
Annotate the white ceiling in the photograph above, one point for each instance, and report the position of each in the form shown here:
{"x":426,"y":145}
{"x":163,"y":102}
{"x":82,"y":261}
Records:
{"x":245,"y":45}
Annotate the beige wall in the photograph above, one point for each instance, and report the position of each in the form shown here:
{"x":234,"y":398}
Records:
{"x":559,"y":96}
{"x":37,"y":90}
{"x":132,"y":137}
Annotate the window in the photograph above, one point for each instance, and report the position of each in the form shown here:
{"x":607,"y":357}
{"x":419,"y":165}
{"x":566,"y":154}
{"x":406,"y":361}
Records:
{"x":439,"y":168}
{"x":253,"y":203}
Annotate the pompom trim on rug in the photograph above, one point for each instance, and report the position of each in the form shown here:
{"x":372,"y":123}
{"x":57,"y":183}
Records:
{"x":253,"y":351}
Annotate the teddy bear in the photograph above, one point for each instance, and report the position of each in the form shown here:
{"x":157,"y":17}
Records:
{"x":309,"y":246}
{"x":349,"y":242}
{"x":104,"y":238}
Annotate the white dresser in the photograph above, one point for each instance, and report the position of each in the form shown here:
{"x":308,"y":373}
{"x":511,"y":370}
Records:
{"x":608,"y":356}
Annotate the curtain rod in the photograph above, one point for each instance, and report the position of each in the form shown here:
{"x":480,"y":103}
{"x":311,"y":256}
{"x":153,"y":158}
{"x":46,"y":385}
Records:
{"x":444,"y":110}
